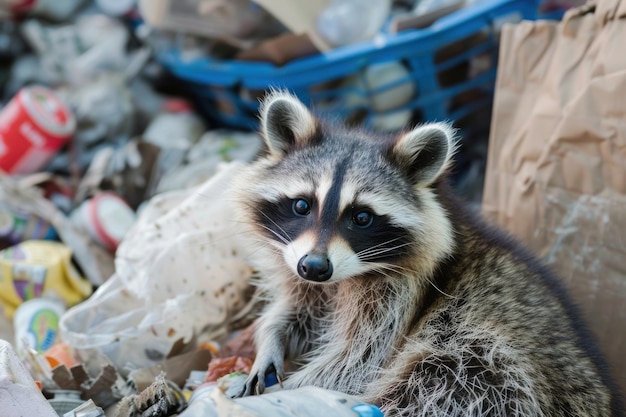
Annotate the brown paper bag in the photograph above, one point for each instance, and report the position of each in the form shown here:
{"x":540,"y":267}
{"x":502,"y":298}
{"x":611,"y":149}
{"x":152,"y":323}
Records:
{"x":556,"y":172}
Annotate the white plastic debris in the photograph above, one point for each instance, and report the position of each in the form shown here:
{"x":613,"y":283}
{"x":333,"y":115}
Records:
{"x":19,"y":396}
{"x":179,"y":271}
{"x":86,"y":409}
{"x":214,"y":401}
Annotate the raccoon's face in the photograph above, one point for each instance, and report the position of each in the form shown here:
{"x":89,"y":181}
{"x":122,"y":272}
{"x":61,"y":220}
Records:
{"x":335,"y":204}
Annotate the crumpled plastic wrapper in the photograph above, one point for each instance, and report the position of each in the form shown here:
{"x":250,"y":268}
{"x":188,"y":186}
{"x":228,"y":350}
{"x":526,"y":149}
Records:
{"x":128,"y":171}
{"x":77,"y":52}
{"x":202,"y":159}
{"x":95,"y":262}
{"x":180,"y":271}
{"x":103,"y":109}
{"x":35,"y":269}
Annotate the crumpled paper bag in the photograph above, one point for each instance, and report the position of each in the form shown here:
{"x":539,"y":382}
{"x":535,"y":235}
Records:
{"x":556,"y":173}
{"x":181,"y":271}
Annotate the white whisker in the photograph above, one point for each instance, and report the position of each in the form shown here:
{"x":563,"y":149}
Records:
{"x":370,"y":253}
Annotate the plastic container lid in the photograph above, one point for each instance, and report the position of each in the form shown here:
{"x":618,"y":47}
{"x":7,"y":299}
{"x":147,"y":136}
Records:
{"x":110,"y":218}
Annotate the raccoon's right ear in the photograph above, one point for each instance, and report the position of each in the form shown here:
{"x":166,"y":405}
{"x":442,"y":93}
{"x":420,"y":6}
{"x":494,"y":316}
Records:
{"x":285,"y":122}
{"x":425,"y":152}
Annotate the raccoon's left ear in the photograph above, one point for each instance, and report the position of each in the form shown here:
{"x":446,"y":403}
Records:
{"x":425,"y":152}
{"x":285,"y":122}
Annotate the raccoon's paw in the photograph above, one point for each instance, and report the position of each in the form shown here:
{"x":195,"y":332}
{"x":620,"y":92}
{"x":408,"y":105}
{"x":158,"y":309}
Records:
{"x":255,"y":384}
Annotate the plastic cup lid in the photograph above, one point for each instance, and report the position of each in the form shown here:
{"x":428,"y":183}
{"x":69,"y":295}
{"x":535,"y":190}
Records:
{"x":111,"y":217}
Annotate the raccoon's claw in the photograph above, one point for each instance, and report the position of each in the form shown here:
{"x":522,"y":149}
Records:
{"x":251,"y":386}
{"x":255,"y":384}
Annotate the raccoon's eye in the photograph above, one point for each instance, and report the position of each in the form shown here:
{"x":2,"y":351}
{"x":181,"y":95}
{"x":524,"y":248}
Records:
{"x":363,"y":219}
{"x":301,"y":207}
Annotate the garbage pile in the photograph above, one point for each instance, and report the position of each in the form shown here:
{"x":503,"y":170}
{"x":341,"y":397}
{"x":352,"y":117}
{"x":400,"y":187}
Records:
{"x":124,"y":276}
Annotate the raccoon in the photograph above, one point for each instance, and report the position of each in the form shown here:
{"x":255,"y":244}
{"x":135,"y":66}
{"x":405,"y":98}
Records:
{"x":380,"y":284}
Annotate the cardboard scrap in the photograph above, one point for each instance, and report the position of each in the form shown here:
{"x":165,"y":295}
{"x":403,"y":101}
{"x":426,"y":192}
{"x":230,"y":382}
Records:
{"x":299,"y":16}
{"x":101,"y":389}
{"x":162,"y":398}
{"x":556,"y":174}
{"x":177,"y":369}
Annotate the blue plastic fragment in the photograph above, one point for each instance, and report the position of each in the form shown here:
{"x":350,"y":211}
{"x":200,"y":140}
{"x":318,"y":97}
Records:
{"x":271,"y":380}
{"x":367,"y":410}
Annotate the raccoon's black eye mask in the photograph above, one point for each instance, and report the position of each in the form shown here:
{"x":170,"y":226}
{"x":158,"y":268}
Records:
{"x":362,"y":218}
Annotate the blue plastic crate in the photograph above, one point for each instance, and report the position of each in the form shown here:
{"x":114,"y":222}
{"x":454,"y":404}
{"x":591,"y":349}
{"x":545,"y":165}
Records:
{"x":438,"y":59}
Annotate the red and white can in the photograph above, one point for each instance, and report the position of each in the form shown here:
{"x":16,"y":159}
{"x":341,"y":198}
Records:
{"x":34,"y":125}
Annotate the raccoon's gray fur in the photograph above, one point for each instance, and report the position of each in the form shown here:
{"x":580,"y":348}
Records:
{"x":381,"y":285}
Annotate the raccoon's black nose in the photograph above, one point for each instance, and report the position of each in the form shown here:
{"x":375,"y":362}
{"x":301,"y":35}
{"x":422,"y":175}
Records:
{"x":314,"y":267}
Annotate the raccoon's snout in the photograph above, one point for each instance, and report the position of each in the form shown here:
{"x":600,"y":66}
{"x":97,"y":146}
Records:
{"x":315,"y":267}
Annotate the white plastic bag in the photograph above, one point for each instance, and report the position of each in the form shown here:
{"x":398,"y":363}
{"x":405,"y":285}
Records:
{"x":181,"y":270}
{"x":213,"y":400}
{"x":19,"y":396}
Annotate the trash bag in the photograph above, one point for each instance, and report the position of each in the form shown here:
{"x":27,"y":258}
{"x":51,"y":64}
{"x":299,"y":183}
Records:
{"x":181,"y":271}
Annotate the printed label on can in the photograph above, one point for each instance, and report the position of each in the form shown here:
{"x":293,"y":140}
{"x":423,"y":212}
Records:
{"x":29,"y":280}
{"x":17,"y":225}
{"x":33,"y":127}
{"x":14,"y":253}
{"x":43,"y":330}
